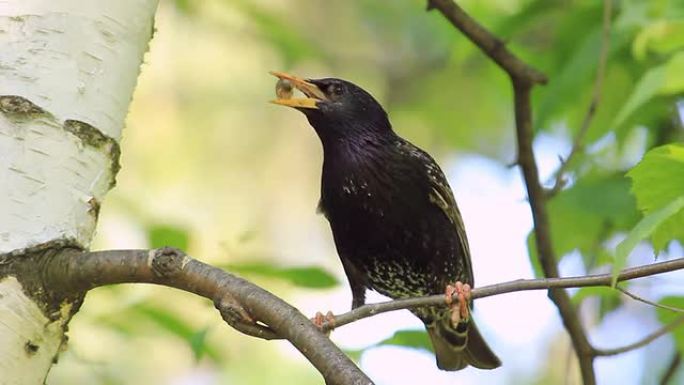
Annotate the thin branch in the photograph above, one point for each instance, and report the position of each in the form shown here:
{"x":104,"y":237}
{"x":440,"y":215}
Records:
{"x":578,"y":141}
{"x":644,"y":341}
{"x":508,"y":287}
{"x":672,"y":368}
{"x":523,"y":78}
{"x":654,"y":304}
{"x":242,"y":303}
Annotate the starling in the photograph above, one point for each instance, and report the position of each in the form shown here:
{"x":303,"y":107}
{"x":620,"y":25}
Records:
{"x":394,"y":219}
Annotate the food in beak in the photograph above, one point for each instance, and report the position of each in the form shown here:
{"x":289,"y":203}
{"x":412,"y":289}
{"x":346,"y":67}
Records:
{"x":284,"y":89}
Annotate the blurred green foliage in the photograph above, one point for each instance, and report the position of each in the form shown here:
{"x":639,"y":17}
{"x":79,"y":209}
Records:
{"x":409,"y":338}
{"x":161,"y":235}
{"x":307,"y":276}
{"x":666,"y":316}
{"x":207,"y":73}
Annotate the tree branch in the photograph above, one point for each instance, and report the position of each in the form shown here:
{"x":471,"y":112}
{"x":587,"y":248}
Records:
{"x":508,"y":287}
{"x":647,"y":302}
{"x":242,"y":303}
{"x":542,"y":230}
{"x":672,"y":368}
{"x":256,"y":312}
{"x":644,"y":341}
{"x":523,"y":78}
{"x":578,"y":141}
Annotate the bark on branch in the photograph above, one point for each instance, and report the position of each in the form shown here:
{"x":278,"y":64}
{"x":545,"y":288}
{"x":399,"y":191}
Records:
{"x":510,"y":287}
{"x":244,"y":305}
{"x":256,"y":312}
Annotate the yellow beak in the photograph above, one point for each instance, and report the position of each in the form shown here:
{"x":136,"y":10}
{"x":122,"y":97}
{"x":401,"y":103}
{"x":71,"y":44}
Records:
{"x":311,"y":91}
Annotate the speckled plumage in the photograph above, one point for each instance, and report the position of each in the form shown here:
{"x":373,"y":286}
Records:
{"x":394,"y":219}
{"x":386,"y":206}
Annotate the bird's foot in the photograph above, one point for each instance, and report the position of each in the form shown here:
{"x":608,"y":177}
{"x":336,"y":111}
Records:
{"x":462,"y":291}
{"x":326,"y":323}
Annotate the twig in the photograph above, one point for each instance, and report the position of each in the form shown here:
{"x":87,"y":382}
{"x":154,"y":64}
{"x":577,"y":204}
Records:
{"x":675,"y":362}
{"x":644,"y":341}
{"x":578,"y":141}
{"x":654,"y":304}
{"x":508,"y":287}
{"x":242,"y":303}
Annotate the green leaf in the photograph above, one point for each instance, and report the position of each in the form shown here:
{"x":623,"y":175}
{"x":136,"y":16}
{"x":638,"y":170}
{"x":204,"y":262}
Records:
{"x":657,"y":181}
{"x":533,"y":255}
{"x":586,"y":214}
{"x":198,"y":343}
{"x":161,"y":235}
{"x":608,"y":298}
{"x":667,"y":316}
{"x":185,"y":6}
{"x":596,"y":291}
{"x":304,"y":276}
{"x":174,"y":324}
{"x":293,"y":42}
{"x":166,"y":320}
{"x":354,"y":355}
{"x":662,"y":80}
{"x":643,"y":229}
{"x":417,"y":339}
{"x":661,"y":37}
{"x":570,"y":80}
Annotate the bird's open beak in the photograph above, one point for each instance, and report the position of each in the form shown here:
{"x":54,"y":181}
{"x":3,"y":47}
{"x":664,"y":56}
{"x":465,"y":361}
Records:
{"x":311,"y":91}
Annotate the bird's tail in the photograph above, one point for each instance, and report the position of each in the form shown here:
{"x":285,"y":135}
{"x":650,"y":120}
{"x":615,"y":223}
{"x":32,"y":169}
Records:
{"x":460,"y":346}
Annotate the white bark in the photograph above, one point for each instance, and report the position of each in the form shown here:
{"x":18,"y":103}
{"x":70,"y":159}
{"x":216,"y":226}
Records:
{"x":67,"y":73}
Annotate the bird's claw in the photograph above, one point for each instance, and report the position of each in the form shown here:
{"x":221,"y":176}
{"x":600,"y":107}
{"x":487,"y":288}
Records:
{"x":462,"y":291}
{"x":325,"y":323}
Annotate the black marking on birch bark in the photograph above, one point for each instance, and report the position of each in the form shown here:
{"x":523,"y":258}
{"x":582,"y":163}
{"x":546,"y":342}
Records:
{"x":20,"y":107}
{"x":91,"y":136}
{"x":31,"y":348}
{"x":94,"y":207}
{"x":62,"y":243}
{"x":28,"y":267}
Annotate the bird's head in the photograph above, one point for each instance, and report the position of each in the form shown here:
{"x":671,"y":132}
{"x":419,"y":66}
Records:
{"x":337,"y":109}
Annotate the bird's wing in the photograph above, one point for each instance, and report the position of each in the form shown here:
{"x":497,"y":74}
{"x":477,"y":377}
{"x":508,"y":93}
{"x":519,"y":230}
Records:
{"x":442,"y":196}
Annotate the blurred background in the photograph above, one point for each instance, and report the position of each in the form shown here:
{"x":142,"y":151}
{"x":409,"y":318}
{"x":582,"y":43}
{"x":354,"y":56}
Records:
{"x":211,"y":167}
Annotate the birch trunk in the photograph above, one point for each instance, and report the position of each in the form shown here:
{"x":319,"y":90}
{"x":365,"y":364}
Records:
{"x":67,"y":73}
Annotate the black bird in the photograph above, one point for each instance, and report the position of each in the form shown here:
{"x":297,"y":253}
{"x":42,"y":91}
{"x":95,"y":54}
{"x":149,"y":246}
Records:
{"x":394,"y":219}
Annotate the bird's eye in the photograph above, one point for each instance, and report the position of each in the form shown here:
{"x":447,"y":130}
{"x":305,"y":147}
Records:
{"x":335,"y":89}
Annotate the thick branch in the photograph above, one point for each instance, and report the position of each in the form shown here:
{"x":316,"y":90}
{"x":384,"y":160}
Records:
{"x":237,"y":298}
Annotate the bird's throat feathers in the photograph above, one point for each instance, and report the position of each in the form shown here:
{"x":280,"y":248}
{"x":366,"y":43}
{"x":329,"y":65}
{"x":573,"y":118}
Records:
{"x":352,"y":136}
